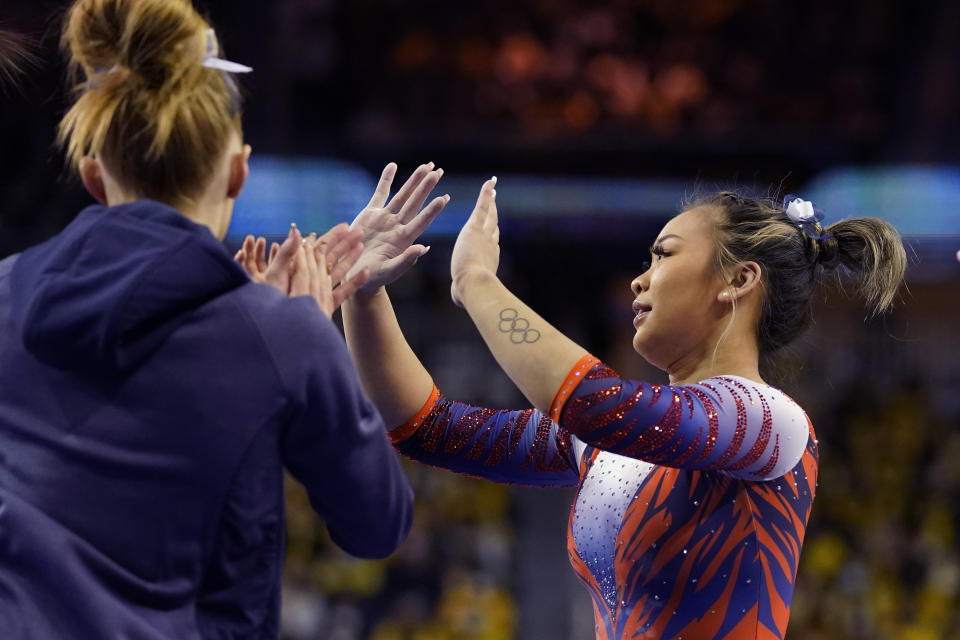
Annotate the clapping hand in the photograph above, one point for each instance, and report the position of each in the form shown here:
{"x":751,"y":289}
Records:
{"x":276,"y":271}
{"x":313,"y":266}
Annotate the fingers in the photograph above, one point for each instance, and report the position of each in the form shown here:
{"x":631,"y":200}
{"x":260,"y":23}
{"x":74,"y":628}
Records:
{"x":348,"y":288}
{"x":396,"y":204}
{"x":260,"y":254}
{"x":274,"y":248}
{"x":299,"y":274}
{"x":340,"y":268}
{"x":288,"y":250}
{"x":318,"y":279}
{"x":419,"y":196}
{"x":249,"y":259}
{"x":420,"y":223}
{"x":335,"y":236}
{"x":403,"y":262}
{"x":484,"y":200}
{"x":492,"y":219}
{"x":382,"y":191}
{"x":338,"y":242}
{"x":283,"y":261}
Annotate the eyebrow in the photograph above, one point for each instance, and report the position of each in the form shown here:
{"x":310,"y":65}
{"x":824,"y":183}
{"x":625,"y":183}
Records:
{"x":669,"y":235}
{"x":659,"y":241}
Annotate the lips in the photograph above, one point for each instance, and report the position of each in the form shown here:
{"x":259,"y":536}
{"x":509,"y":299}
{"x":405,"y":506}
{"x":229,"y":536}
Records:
{"x":642,"y":310}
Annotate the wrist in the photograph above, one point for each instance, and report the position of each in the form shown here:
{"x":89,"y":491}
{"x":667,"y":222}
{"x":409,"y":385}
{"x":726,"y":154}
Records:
{"x":470,"y":279}
{"x":362,"y":298}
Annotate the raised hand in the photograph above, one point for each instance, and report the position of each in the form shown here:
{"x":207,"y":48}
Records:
{"x":477,"y":248}
{"x":390,"y":228}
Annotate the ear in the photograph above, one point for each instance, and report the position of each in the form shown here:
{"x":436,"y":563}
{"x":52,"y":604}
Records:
{"x":744,"y":278}
{"x":93,"y":179}
{"x":239,"y":170}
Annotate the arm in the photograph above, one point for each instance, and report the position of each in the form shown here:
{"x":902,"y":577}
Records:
{"x":706,"y":426}
{"x":504,"y":446}
{"x":514,"y":447}
{"x":523,"y":447}
{"x":536,"y":356}
{"x":335,"y":444}
{"x":726,"y":424}
{"x":392,"y":375}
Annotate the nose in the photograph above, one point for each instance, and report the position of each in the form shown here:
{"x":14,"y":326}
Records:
{"x":639,"y":284}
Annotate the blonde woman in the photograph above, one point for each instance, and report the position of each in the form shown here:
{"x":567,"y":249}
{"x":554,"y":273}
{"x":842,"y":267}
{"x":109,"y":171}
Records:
{"x":150,"y":393}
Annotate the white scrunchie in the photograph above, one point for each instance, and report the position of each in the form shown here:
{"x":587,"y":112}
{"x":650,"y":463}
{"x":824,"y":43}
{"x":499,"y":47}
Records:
{"x":801,"y":211}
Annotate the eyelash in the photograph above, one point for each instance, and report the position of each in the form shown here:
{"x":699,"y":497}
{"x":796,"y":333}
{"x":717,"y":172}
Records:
{"x":658,"y":252}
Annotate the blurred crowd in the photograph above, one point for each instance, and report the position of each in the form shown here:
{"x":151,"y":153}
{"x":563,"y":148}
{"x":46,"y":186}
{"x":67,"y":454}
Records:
{"x":815,"y":79}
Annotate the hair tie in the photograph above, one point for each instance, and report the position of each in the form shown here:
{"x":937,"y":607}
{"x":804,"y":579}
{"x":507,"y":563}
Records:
{"x":805,"y":215}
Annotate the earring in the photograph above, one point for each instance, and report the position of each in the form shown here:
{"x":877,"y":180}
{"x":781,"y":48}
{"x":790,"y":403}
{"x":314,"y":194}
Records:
{"x":725,"y":294}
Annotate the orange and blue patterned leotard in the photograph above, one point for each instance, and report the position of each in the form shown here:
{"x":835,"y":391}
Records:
{"x":692,"y":500}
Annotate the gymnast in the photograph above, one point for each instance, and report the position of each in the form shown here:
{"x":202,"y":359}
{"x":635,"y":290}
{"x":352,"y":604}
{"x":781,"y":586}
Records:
{"x":693,"y":496}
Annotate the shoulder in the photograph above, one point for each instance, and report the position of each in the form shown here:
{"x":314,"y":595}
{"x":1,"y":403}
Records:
{"x":6,"y":265}
{"x":295,"y":332}
{"x":281,"y":318}
{"x":745,"y":393}
{"x":769,"y":416}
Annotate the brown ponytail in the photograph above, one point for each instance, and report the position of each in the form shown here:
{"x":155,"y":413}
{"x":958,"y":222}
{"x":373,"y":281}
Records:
{"x":145,"y":105}
{"x":869,"y":252}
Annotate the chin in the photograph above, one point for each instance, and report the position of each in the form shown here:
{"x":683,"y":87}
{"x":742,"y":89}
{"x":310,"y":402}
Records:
{"x":641,"y":344}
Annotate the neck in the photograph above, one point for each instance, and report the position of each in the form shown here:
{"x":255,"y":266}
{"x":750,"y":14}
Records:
{"x":200,"y":211}
{"x":737,"y":355}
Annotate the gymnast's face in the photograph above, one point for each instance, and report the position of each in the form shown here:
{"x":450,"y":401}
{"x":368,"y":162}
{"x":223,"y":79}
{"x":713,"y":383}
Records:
{"x":676,"y":307}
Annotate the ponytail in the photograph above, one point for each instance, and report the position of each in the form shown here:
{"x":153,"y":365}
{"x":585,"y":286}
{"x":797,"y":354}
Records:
{"x":870,"y":252}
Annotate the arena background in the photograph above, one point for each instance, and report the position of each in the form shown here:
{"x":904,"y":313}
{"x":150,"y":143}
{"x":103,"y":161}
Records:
{"x":601,"y":119}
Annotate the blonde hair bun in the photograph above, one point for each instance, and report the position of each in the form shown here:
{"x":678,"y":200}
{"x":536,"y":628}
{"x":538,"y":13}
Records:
{"x":144,"y":103}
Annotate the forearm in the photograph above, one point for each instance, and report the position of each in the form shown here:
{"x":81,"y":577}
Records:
{"x":391,"y":374}
{"x":536,"y":356}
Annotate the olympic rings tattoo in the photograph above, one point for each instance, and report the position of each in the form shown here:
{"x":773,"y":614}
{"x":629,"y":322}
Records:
{"x":518,"y":328}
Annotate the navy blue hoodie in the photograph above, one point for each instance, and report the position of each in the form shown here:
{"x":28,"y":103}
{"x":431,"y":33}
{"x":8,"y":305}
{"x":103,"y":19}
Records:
{"x":150,"y":396}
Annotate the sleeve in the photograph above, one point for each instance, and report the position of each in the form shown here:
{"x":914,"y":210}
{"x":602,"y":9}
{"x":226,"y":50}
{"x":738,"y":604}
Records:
{"x":513,"y":447}
{"x":726,"y":424}
{"x":336,"y":446}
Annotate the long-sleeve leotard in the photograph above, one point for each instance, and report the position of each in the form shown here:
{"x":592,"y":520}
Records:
{"x":692,"y":500}
{"x":521,"y":447}
{"x":720,"y":424}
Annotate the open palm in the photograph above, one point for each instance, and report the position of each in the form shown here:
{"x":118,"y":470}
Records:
{"x":391,"y":225}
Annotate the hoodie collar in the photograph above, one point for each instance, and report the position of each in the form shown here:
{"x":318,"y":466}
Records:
{"x":107,"y":291}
